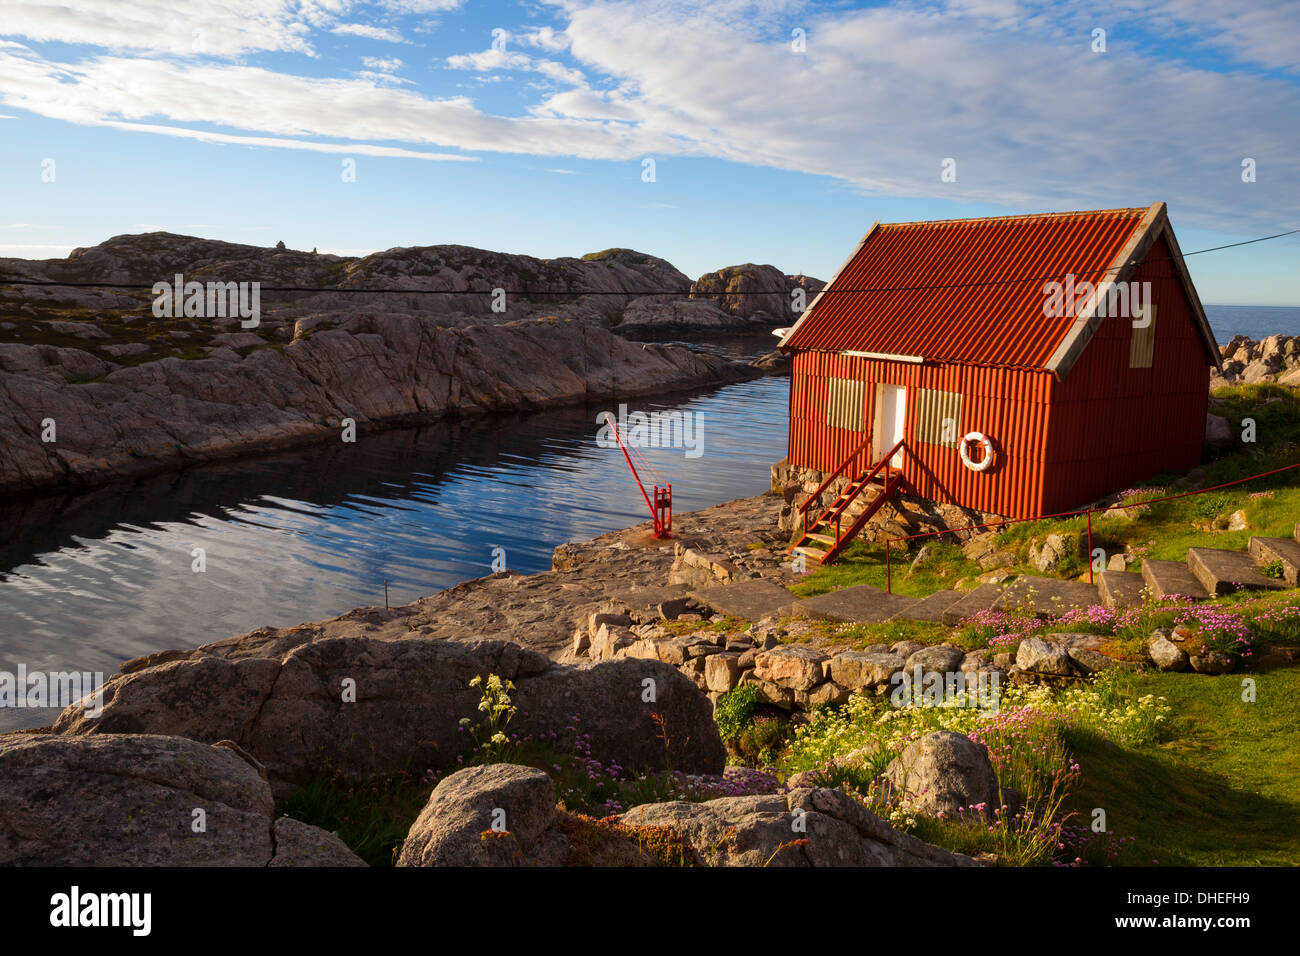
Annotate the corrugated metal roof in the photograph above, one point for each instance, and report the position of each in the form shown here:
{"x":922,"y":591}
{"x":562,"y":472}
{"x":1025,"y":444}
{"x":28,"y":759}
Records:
{"x":964,"y":290}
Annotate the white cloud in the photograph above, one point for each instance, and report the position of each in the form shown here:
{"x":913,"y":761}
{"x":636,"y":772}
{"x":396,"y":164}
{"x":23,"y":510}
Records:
{"x":421,"y":6}
{"x":383,"y":64}
{"x":387,"y":34}
{"x":381,"y":78}
{"x":1009,"y":89}
{"x":547,"y":38}
{"x":493,"y":59}
{"x":216,"y":27}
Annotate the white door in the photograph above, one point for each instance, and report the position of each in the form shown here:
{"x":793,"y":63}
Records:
{"x":891,"y":413}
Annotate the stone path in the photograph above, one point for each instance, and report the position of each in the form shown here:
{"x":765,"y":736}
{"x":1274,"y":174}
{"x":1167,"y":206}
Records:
{"x":1120,"y":588}
{"x":750,"y":600}
{"x":1171,"y":577}
{"x":861,"y":605}
{"x":1222,"y":572}
{"x":930,"y":608}
{"x":1046,"y":595}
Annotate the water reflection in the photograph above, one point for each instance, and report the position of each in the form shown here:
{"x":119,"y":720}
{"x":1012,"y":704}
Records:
{"x":89,"y":580}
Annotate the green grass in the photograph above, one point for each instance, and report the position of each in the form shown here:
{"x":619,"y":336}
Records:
{"x":1222,"y":790}
{"x":371,"y":817}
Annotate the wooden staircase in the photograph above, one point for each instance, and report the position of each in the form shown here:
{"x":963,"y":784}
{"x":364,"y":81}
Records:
{"x":849,"y":513}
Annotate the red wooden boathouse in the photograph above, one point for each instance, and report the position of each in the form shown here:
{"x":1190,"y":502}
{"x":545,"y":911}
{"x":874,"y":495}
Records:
{"x":933,"y":331}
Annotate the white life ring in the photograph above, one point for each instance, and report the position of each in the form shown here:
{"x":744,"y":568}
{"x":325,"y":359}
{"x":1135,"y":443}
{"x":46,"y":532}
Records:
{"x":985,"y":463}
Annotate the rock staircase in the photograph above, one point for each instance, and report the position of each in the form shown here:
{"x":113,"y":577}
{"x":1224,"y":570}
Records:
{"x":1208,"y":572}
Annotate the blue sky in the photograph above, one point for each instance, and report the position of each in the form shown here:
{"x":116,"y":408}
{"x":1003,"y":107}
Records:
{"x":524,"y":126}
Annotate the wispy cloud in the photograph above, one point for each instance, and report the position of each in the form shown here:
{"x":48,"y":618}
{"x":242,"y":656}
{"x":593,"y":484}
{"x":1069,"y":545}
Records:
{"x":368,"y":32}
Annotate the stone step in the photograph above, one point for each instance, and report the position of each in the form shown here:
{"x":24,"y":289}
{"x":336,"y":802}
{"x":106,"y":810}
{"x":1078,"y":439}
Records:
{"x":750,"y":600}
{"x":1171,"y":577}
{"x":1265,"y":550}
{"x":981,"y":599}
{"x":1121,"y":588}
{"x":930,"y":608}
{"x":1043,"y":596}
{"x":1221,"y":571}
{"x":862,"y":604}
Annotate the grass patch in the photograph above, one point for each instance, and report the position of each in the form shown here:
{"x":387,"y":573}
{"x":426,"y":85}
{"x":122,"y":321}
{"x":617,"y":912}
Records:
{"x":1222,"y":790}
{"x":371,"y":817}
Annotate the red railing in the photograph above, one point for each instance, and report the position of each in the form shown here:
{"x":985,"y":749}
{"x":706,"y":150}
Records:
{"x":1066,"y":514}
{"x":803,"y":508}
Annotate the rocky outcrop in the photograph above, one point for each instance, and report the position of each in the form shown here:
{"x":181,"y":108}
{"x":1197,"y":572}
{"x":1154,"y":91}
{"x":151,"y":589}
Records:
{"x":355,"y":707}
{"x":144,"y":800}
{"x":1248,"y":362}
{"x":398,"y":337}
{"x":759,"y":295}
{"x":504,"y":815}
{"x":368,"y":369}
{"x":805,"y":827}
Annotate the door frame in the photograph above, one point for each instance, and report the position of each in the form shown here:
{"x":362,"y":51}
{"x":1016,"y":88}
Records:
{"x":896,"y":430}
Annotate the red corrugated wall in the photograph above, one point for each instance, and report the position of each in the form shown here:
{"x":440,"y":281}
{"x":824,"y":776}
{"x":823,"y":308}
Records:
{"x":1008,"y":405}
{"x":1113,"y":425}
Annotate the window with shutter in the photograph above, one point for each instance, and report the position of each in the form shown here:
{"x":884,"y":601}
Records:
{"x":844,"y":397}
{"x":1142,"y":348}
{"x":938,"y":416}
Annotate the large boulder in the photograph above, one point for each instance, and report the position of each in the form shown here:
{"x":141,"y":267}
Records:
{"x":796,"y":666}
{"x":1165,"y":654}
{"x":1218,"y":433}
{"x":872,"y":667}
{"x":360,"y":706}
{"x":944,"y":773}
{"x":937,"y":658}
{"x":145,"y":800}
{"x":1039,"y":656}
{"x":482,"y":816}
{"x":804,"y":827}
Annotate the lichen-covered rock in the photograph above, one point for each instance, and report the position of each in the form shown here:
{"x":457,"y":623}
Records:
{"x":144,"y":800}
{"x":482,"y":816}
{"x":1164,"y":653}
{"x":805,"y":827}
{"x":360,"y":706}
{"x":1039,"y":656}
{"x":796,"y":666}
{"x":945,"y":773}
{"x":866,"y":669}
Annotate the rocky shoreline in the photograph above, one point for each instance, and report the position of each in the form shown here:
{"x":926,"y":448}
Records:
{"x":94,"y":387}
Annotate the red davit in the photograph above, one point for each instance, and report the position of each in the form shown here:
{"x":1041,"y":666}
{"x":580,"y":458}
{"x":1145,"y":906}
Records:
{"x":661,"y":506}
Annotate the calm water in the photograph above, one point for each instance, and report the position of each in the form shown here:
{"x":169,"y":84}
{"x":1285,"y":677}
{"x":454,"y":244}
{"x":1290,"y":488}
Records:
{"x":1256,"y":321}
{"x":91,"y":580}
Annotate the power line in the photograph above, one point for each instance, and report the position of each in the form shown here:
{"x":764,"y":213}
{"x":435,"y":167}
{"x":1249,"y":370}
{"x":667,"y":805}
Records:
{"x":534,"y":293}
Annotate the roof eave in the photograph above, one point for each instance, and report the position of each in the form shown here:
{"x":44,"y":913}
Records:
{"x":817,"y":298}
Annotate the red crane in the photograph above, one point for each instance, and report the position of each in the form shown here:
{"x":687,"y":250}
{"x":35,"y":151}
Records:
{"x":661,"y":506}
